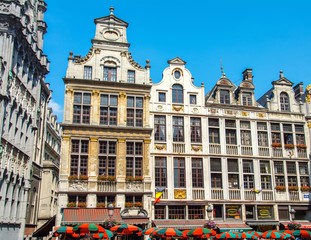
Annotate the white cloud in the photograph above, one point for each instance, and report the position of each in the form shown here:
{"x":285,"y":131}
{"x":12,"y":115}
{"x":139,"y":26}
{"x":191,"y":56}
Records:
{"x":57,"y":108}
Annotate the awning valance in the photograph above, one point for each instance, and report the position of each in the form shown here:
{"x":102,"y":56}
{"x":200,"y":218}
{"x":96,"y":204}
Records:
{"x":45,"y":229}
{"x":179,"y":224}
{"x":73,"y":216}
{"x":263,"y":223}
{"x":304,"y":225}
{"x":233,"y":227}
{"x":137,"y":220}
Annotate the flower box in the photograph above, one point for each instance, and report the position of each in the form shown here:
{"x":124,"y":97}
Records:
{"x":71,"y":204}
{"x":303,"y":146}
{"x":81,"y":204}
{"x":276,"y":145}
{"x":101,"y":205}
{"x":129,"y":204}
{"x":138,"y":204}
{"x":289,"y":146}
{"x":106,"y":178}
{"x":73,"y":177}
{"x":280,"y":188}
{"x":293,"y":188}
{"x":134,"y":179}
{"x":305,"y":189}
{"x":83,"y":177}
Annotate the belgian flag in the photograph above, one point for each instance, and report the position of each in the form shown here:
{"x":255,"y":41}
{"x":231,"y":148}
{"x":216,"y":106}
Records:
{"x":158,"y":194}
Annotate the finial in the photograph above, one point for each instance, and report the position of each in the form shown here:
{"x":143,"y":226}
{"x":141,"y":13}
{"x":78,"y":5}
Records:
{"x":222,"y":69}
{"x":281,"y":74}
{"x":111,"y":9}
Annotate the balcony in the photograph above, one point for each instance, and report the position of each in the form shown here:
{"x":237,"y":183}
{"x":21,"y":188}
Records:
{"x":235,"y":194}
{"x":302,"y":152}
{"x":106,"y":186}
{"x":277,"y":152}
{"x":267,"y":195}
{"x":178,"y":147}
{"x":217,"y":194}
{"x":294,"y":196}
{"x":247,"y":150}
{"x":232,"y":149}
{"x":198,"y":193}
{"x":249,"y":195}
{"x":214,"y":148}
{"x":263,"y":151}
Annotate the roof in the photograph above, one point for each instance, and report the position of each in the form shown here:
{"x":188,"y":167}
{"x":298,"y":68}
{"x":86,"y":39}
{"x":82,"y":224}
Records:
{"x":45,"y":229}
{"x":88,"y":215}
{"x":179,"y":224}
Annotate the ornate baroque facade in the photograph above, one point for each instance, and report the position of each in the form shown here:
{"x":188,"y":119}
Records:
{"x":23,"y":102}
{"x":106,"y":130}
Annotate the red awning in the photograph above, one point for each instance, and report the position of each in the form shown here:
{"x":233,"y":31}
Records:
{"x":88,"y":215}
{"x":134,"y":220}
{"x":179,"y":224}
{"x":304,"y":225}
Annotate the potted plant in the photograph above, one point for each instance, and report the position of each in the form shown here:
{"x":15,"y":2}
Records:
{"x":83,"y":177}
{"x":280,"y":188}
{"x":301,"y":146}
{"x":101,"y":205}
{"x":305,"y":188}
{"x":73,"y":177}
{"x":138,"y":204}
{"x":292,"y":188}
{"x":276,"y":145}
{"x":289,"y":145}
{"x":71,"y":204}
{"x":129,"y":204}
{"x":102,"y":178}
{"x":111,"y":178}
{"x":138,"y":178}
{"x":81,"y":204}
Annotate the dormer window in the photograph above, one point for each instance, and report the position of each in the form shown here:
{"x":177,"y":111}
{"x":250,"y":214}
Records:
{"x":110,"y":74}
{"x":177,"y":93}
{"x":247,"y":99}
{"x":224,"y":97}
{"x":284,"y":102}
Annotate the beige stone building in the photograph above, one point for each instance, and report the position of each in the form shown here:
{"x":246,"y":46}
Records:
{"x":106,"y":129}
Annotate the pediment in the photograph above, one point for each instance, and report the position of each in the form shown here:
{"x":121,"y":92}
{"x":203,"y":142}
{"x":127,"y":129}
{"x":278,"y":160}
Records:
{"x":283,"y":81}
{"x":223,"y":81}
{"x":111,"y":19}
{"x":177,"y":60}
{"x":247,"y":84}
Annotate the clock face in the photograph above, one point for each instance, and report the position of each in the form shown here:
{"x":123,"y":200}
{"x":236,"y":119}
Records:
{"x":111,"y":35}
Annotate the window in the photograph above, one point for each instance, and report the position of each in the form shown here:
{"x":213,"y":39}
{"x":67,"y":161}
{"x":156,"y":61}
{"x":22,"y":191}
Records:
{"x":248,"y":181}
{"x":279,"y":180}
{"x":218,"y":211}
{"x":233,"y":211}
{"x":284,"y":101}
{"x":108,"y":109}
{"x":224,"y":97}
{"x":288,"y":134}
{"x":247,"y":99}
{"x":264,"y":167}
{"x":79,"y":157}
{"x":196,"y":212}
{"x":304,"y":181}
{"x":233,"y":173}
{"x":134,"y":111}
{"x":131,"y":76}
{"x":110,"y":74}
{"x":278,"y":168}
{"x":179,"y":173}
{"x":216,"y":173}
{"x":265,"y":175}
{"x":160,"y":172}
{"x":250,"y":211}
{"x":134,"y":159}
{"x":105,"y":199}
{"x":193,"y":99}
{"x":291,"y":167}
{"x":133,"y":199}
{"x":216,"y":165}
{"x":177,"y":93}
{"x":176,"y":212}
{"x":246,"y":138}
{"x":162,"y":97}
{"x":159,"y":128}
{"x":107,"y":158}
{"x":159,"y":212}
{"x":300,"y":137}
{"x":248,"y":166}
{"x":275,"y":133}
{"x":213,"y":130}
{"x":265,"y":212}
{"x":230,"y":132}
{"x":248,"y":174}
{"x":292,"y":181}
{"x":262,"y":134}
{"x":195,"y":128}
{"x":178,"y":129}
{"x":197,"y":173}
{"x":87,"y":72}
{"x":266,"y":182}
{"x":303,"y":168}
{"x":81,"y":107}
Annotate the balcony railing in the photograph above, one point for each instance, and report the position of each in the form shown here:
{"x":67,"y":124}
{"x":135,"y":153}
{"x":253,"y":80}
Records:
{"x":232,"y":149}
{"x":247,"y":150}
{"x":217,"y":194}
{"x":294,"y":196}
{"x":263,"y":151}
{"x":165,"y":194}
{"x":249,"y":195}
{"x":178,"y":147}
{"x":214,"y":148}
{"x":302,"y":153}
{"x":198,"y":193}
{"x":106,"y":186}
{"x":267,"y":195}
{"x":235,"y":194}
{"x":277,"y":152}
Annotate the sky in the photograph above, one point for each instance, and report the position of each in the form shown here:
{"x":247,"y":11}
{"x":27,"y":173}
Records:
{"x":265,"y":35}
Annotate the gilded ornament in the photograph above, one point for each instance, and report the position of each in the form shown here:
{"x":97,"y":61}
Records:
{"x":160,"y":146}
{"x":180,"y":194}
{"x":178,"y":108}
{"x":244,"y":114}
{"x":196,"y":148}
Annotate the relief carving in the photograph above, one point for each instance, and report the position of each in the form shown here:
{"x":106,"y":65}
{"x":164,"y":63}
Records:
{"x":160,"y":146}
{"x":196,"y":148}
{"x":178,"y":108}
{"x":78,"y":186}
{"x":180,"y":193}
{"x":134,"y":186}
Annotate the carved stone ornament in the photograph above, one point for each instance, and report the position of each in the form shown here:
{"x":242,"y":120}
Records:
{"x":213,"y":110}
{"x":229,"y":112}
{"x":134,"y":186}
{"x":78,"y":185}
{"x":178,"y":108}
{"x":245,"y":114}
{"x":160,"y":108}
{"x":180,"y":193}
{"x":261,"y":115}
{"x":160,"y":146}
{"x":195,"y":110}
{"x":196,"y":148}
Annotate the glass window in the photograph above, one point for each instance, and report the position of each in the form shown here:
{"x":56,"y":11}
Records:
{"x":224,"y":97}
{"x":159,"y":212}
{"x":110,"y":74}
{"x":291,"y":167}
{"x":264,"y":167}
{"x":159,"y":128}
{"x":247,"y":99}
{"x":197,"y":173}
{"x":160,"y":172}
{"x":131,"y":76}
{"x":178,"y":129}
{"x":162,"y":97}
{"x":87,"y":72}
{"x":79,"y":157}
{"x":250,"y":211}
{"x":107,"y":158}
{"x":278,"y":168}
{"x":215,"y":164}
{"x":196,"y":212}
{"x":248,"y":166}
{"x":265,"y":212}
{"x":233,"y":211}
{"x":134,"y":111}
{"x":195,"y":129}
{"x":284,"y":101}
{"x":176,"y":212}
{"x":179,"y":173}
{"x":108,"y":109}
{"x":193,"y":99}
{"x":177,"y":93}
{"x":134,"y":159}
{"x":82,"y":107}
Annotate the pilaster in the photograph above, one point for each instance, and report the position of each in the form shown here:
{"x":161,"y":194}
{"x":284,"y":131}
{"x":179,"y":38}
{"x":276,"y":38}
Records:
{"x":121,"y":160}
{"x":93,"y":153}
{"x":122,"y":109}
{"x":68,"y":110}
{"x":147,"y":110}
{"x":95,"y":107}
{"x":64,"y":169}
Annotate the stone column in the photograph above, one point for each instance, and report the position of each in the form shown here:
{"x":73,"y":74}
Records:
{"x":121,"y":162}
{"x":64,"y":170}
{"x":95,"y":103}
{"x":68,"y":105}
{"x":122,"y":109}
{"x":146,"y":110}
{"x":93,"y":164}
{"x":146,"y":164}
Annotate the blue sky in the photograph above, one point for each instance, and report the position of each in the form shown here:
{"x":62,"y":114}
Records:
{"x":265,"y":35}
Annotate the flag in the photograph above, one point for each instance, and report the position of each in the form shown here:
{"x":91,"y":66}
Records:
{"x":158,"y":195}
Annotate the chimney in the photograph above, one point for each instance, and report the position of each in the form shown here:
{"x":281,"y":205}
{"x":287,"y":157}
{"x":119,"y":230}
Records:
{"x":248,"y":75}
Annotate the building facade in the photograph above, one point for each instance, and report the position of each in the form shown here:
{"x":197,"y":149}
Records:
{"x":23,"y":100}
{"x":238,"y":162}
{"x":106,"y":130}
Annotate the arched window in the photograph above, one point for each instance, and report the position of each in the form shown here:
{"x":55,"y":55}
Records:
{"x":177,"y":93}
{"x":284,"y":101}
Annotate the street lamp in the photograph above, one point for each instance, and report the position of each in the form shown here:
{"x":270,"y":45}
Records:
{"x":110,"y":211}
{"x":292,"y":214}
{"x":209,"y":211}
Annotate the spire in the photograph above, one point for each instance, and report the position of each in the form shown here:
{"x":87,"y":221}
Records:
{"x":222,"y":69}
{"x":281,"y":74}
{"x":111,"y":9}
